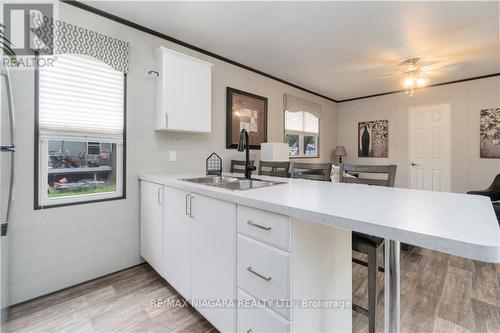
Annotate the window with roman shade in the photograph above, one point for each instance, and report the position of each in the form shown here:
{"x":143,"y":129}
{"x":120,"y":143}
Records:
{"x":81,"y":118}
{"x":301,"y":126}
{"x":81,"y":97}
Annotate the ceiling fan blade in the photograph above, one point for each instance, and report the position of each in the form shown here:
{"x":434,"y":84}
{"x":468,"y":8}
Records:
{"x":387,"y":77}
{"x":441,"y":69}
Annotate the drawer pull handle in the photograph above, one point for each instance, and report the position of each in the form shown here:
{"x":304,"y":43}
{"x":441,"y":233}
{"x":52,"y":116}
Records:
{"x":259,"y":226}
{"x":249,"y":330}
{"x":250,"y":269}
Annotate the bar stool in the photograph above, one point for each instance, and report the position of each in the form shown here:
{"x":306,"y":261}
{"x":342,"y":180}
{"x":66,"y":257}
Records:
{"x":275,"y":169}
{"x":368,"y":244}
{"x":312,"y":171}
{"x":239,"y":166}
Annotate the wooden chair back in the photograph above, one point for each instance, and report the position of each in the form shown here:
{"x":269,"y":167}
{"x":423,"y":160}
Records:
{"x":312,"y":171}
{"x":389,"y":170}
{"x":238,"y":166}
{"x":275,"y":169}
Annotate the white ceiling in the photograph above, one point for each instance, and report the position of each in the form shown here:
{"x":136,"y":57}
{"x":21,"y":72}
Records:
{"x":338,"y":49}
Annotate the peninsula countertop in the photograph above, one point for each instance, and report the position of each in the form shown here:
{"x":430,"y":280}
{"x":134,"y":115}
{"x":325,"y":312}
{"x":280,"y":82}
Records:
{"x":459,"y":224}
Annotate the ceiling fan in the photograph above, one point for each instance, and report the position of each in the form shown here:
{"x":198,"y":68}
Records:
{"x":412,"y":75}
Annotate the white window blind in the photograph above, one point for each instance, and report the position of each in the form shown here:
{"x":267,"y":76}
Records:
{"x":81,"y":96}
{"x":301,"y":115}
{"x":301,"y":121}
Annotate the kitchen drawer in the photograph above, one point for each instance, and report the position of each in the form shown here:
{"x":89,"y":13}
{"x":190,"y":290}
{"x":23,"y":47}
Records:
{"x":258,"y":319}
{"x":270,"y":228}
{"x":264,"y":271}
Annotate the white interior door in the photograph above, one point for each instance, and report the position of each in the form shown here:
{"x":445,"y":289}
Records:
{"x":429,"y":148}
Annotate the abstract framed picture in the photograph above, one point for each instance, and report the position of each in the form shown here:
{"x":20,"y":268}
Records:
{"x":245,"y":111}
{"x":373,"y":138}
{"x":490,"y":133}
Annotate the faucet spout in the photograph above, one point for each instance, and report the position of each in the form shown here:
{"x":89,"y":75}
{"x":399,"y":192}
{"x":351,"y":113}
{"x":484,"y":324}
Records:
{"x":244,"y":144}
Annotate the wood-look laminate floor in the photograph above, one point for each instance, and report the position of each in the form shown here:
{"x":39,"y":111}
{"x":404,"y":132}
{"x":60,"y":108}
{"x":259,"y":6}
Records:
{"x":440,"y":293}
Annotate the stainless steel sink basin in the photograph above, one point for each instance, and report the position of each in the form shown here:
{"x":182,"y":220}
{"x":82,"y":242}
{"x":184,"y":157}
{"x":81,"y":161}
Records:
{"x":232,"y":183}
{"x":211,"y":180}
{"x":247,"y":184}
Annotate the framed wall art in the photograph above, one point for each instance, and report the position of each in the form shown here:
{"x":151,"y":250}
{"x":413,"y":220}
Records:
{"x":490,"y":133}
{"x":373,"y":138}
{"x":245,"y":111}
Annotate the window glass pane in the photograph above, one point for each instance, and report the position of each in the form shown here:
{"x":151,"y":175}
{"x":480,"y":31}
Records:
{"x":78,"y":168}
{"x":293,"y":141}
{"x":310,"y":145}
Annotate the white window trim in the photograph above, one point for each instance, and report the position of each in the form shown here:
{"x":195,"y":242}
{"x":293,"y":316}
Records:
{"x":43,"y":197}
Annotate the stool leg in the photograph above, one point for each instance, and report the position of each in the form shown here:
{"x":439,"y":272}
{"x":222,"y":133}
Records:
{"x":372,"y":288}
{"x":392,"y":287}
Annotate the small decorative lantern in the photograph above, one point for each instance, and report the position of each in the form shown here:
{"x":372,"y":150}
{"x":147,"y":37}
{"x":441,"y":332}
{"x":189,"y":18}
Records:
{"x":214,"y":165}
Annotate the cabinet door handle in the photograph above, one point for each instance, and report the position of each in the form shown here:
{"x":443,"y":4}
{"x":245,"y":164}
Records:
{"x":250,"y":269}
{"x":158,"y":194}
{"x":186,"y":208}
{"x":258,"y":226}
{"x":166,"y":119}
{"x":191,"y":206}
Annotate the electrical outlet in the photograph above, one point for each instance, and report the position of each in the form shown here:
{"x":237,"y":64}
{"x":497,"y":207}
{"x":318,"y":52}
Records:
{"x":173,"y":156}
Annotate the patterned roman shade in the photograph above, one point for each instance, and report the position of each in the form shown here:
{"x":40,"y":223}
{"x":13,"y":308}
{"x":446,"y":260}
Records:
{"x":58,"y":37}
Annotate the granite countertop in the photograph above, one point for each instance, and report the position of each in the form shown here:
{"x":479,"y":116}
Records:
{"x":458,"y":224}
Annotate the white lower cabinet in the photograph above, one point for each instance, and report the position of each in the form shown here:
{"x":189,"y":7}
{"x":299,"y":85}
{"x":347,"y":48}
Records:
{"x":292,"y":266}
{"x":215,"y":252}
{"x":258,"y":319}
{"x":200,"y":254}
{"x":176,"y":238}
{"x":151,"y":230}
{"x":264,"y":272}
{"x":213,"y":260}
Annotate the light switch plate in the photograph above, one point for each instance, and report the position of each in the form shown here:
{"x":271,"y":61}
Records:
{"x":173,"y":156}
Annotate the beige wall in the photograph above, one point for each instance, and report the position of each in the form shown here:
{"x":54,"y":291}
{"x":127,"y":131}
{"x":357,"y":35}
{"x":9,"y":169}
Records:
{"x":466,"y":100}
{"x":55,"y":248}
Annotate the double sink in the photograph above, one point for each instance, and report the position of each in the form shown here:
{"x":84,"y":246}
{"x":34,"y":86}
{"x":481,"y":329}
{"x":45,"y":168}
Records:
{"x":232,"y":183}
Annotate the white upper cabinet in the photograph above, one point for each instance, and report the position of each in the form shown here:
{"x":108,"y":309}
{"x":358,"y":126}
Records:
{"x":183,"y":93}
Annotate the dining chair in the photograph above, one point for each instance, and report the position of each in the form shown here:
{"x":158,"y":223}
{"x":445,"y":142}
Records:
{"x":368,"y":244}
{"x":312,"y":171}
{"x":493,"y":191}
{"x":238,"y":166}
{"x":275,"y":169}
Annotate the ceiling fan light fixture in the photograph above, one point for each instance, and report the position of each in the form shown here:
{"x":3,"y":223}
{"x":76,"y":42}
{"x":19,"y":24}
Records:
{"x":409,"y":82}
{"x":412,"y":75}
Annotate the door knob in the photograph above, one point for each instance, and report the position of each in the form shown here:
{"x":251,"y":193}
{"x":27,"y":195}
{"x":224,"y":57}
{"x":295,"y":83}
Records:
{"x":413,"y":164}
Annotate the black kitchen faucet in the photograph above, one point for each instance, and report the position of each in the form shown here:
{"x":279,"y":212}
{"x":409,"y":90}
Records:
{"x":242,"y":144}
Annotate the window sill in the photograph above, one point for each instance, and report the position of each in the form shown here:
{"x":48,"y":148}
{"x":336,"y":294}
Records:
{"x":38,"y":207}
